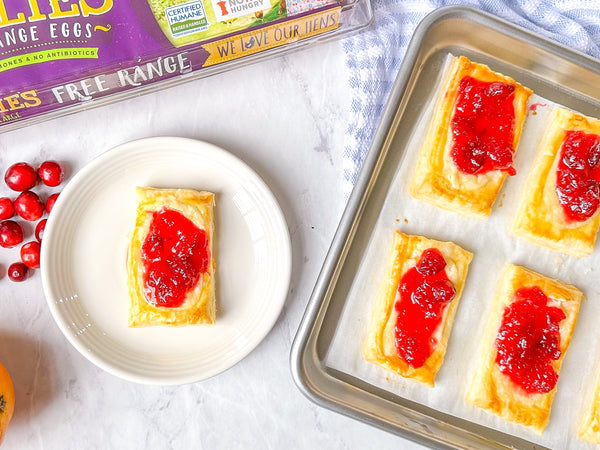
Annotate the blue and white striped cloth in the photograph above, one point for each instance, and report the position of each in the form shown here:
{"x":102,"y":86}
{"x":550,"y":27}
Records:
{"x":374,"y":56}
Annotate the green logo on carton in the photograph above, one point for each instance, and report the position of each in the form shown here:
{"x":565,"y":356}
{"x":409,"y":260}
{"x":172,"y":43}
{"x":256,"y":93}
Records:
{"x":186,"y":18}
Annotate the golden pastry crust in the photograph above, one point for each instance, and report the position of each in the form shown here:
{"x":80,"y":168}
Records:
{"x":540,"y":218}
{"x":379,"y":347}
{"x":199,"y":305}
{"x":493,"y":391}
{"x":589,"y":429}
{"x":437,"y":179}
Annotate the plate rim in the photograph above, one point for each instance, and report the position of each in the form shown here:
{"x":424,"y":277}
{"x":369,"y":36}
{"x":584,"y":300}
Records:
{"x":174,"y":143}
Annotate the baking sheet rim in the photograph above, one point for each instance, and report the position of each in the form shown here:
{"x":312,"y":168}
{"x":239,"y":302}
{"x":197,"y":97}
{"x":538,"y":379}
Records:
{"x":304,"y":346}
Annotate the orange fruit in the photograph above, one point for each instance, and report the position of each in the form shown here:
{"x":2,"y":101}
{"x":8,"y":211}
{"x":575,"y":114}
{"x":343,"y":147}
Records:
{"x":7,"y":400}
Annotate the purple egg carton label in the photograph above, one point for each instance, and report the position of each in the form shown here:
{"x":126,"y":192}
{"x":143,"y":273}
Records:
{"x":56,"y":54}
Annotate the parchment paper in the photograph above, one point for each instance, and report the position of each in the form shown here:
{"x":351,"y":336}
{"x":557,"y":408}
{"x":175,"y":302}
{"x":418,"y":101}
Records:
{"x":493,"y":249}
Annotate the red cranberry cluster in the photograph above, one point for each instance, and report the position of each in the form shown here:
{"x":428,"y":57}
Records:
{"x":21,"y":177}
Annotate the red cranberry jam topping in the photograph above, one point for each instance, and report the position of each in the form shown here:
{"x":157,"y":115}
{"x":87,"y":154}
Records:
{"x":529,"y":340}
{"x":425,"y":291}
{"x":482,"y":127}
{"x":174,"y":253}
{"x":578,"y":175}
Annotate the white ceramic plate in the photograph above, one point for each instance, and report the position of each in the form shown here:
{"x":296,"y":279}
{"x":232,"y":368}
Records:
{"x":83,"y":261}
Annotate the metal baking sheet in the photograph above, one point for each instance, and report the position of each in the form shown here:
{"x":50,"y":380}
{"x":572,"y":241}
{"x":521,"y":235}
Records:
{"x":555,"y":73}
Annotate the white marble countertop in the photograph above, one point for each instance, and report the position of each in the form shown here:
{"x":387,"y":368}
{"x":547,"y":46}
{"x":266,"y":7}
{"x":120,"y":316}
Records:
{"x":286,"y":118}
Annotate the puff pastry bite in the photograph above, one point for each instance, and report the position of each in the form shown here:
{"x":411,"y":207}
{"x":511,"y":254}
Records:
{"x":527,"y":335}
{"x":415,"y":308}
{"x":469,"y":148}
{"x":170,"y":268}
{"x":589,"y":428}
{"x":559,"y":208}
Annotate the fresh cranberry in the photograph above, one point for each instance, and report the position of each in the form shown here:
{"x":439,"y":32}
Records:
{"x":11,"y":234}
{"x":20,"y":177}
{"x":30,"y":254}
{"x":50,"y":202}
{"x":29,"y":206}
{"x":39,"y":229}
{"x":51,"y":173}
{"x":17,"y":271}
{"x":7,"y":209}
